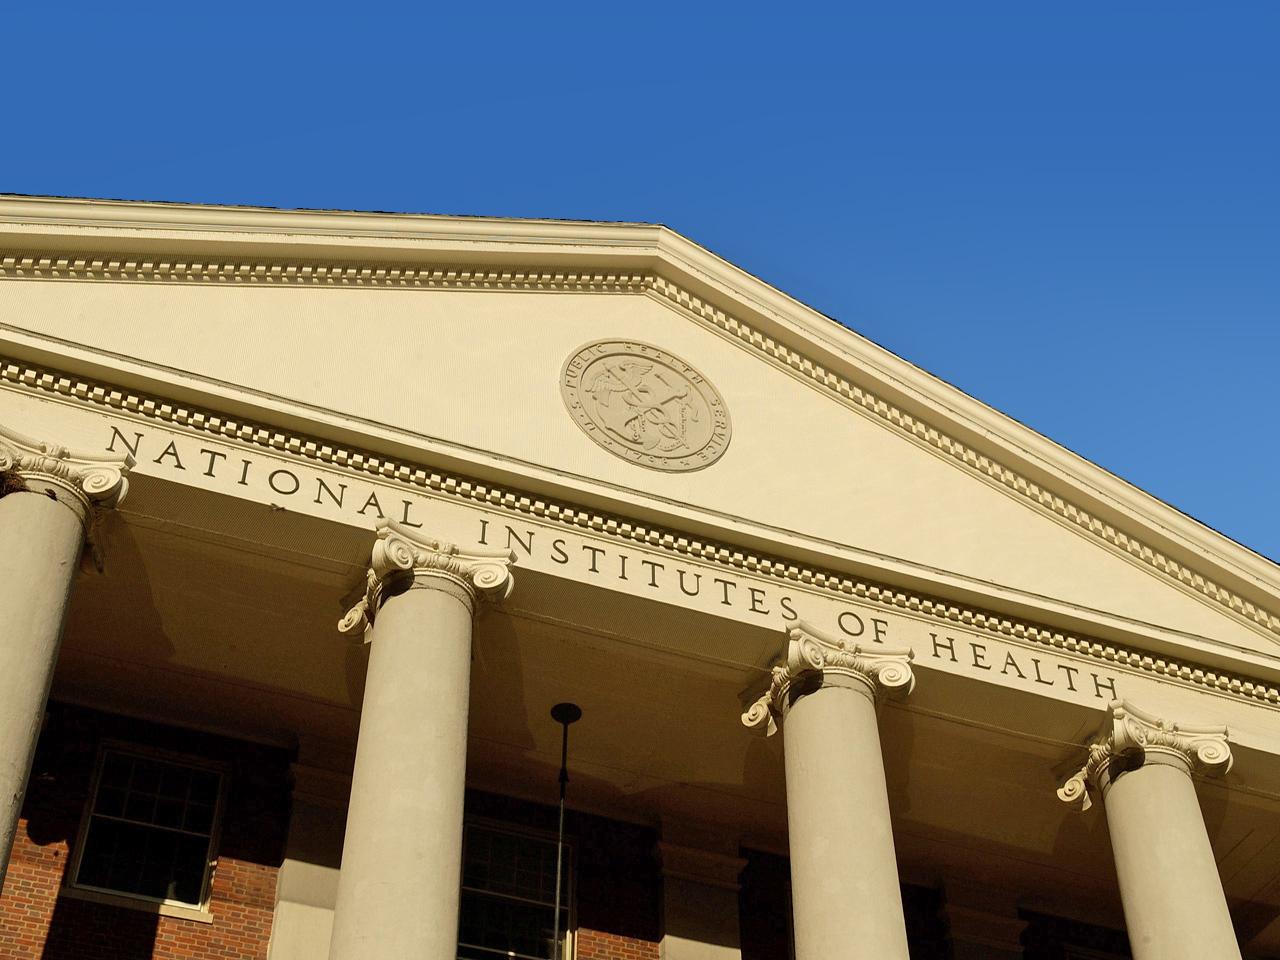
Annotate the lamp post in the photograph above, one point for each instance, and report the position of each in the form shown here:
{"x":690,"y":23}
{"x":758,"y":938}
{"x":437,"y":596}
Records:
{"x":563,"y":714}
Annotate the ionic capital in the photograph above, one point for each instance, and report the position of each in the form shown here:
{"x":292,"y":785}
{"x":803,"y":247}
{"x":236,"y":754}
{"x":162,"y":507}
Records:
{"x":814,"y":659}
{"x":1133,"y":738}
{"x":404,"y":558}
{"x":81,"y":481}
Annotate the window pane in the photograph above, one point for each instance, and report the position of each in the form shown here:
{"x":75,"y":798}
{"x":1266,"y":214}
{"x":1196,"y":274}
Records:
{"x":111,"y":801}
{"x":173,"y":783}
{"x":168,"y":812}
{"x":497,"y":927}
{"x":507,"y":863}
{"x":146,"y":777}
{"x":189,"y":869}
{"x":140,"y":807}
{"x":199,"y":818}
{"x":116,"y":770}
{"x":204,"y":787}
{"x":100,"y":850}
{"x":508,"y":895}
{"x":146,"y":836}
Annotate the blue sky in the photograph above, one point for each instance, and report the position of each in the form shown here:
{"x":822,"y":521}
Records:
{"x":1071,"y":212}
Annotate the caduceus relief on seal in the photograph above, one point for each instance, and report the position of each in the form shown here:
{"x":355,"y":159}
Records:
{"x":642,"y":406}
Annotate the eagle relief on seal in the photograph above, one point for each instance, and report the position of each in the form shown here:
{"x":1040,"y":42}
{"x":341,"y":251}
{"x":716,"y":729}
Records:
{"x":645,"y":405}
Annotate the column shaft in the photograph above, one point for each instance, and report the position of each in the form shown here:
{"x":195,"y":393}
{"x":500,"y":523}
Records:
{"x":40,"y":544}
{"x":399,"y":884}
{"x":846,"y":899}
{"x":1174,"y":906}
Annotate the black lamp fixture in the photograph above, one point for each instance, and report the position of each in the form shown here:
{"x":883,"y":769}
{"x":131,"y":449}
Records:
{"x":564,"y":714}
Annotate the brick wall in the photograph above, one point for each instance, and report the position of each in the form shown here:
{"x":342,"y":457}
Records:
{"x":37,"y":924}
{"x":599,"y":945}
{"x":29,"y":896}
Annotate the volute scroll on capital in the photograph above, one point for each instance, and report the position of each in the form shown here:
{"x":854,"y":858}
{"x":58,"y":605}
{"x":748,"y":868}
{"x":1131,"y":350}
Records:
{"x":82,"y":481}
{"x":401,"y":554}
{"x":1133,"y":736}
{"x":813,"y":657}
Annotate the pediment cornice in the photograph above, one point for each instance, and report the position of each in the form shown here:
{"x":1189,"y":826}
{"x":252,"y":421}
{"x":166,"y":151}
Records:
{"x":652,"y":261}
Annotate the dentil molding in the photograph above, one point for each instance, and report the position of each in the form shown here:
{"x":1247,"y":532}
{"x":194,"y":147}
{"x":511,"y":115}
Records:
{"x":401,"y":554}
{"x":1133,"y":737}
{"x":811,"y":657}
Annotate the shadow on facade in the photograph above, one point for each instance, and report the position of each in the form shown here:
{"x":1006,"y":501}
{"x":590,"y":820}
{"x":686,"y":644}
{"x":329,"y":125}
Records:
{"x":93,"y":931}
{"x":253,"y":827}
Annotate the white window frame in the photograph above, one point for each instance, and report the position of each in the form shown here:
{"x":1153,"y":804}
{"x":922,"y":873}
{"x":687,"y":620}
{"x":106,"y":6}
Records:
{"x":569,"y":937}
{"x":162,"y":905}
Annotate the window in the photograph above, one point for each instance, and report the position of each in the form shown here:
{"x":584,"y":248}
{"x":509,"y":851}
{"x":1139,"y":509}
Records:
{"x":508,"y":894}
{"x":149,"y":828}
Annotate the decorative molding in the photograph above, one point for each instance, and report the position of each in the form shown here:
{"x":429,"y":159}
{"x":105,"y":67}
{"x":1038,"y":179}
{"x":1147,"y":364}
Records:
{"x":495,"y":497}
{"x":812,"y":656}
{"x":399,"y":554}
{"x":234,"y":271}
{"x":1134,"y":734}
{"x":89,"y":480}
{"x":380,"y":274}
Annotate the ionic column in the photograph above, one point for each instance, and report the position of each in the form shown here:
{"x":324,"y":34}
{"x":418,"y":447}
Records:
{"x":402,"y":856}
{"x":846,"y":901}
{"x":1174,"y":907}
{"x":48,"y":496}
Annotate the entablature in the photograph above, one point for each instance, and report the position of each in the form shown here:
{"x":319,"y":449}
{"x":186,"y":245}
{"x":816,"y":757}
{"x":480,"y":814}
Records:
{"x":278,"y":469}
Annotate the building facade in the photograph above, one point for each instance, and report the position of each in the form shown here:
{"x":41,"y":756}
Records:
{"x":308,"y":519}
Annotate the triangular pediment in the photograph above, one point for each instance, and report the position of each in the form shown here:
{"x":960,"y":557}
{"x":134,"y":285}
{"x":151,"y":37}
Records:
{"x":620,"y":366}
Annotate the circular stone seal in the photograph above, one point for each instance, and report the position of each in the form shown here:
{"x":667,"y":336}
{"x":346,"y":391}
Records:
{"x":645,"y":405}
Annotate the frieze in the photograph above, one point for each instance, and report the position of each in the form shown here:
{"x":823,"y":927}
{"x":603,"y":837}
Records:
{"x":617,"y":555}
{"x":252,"y":460}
